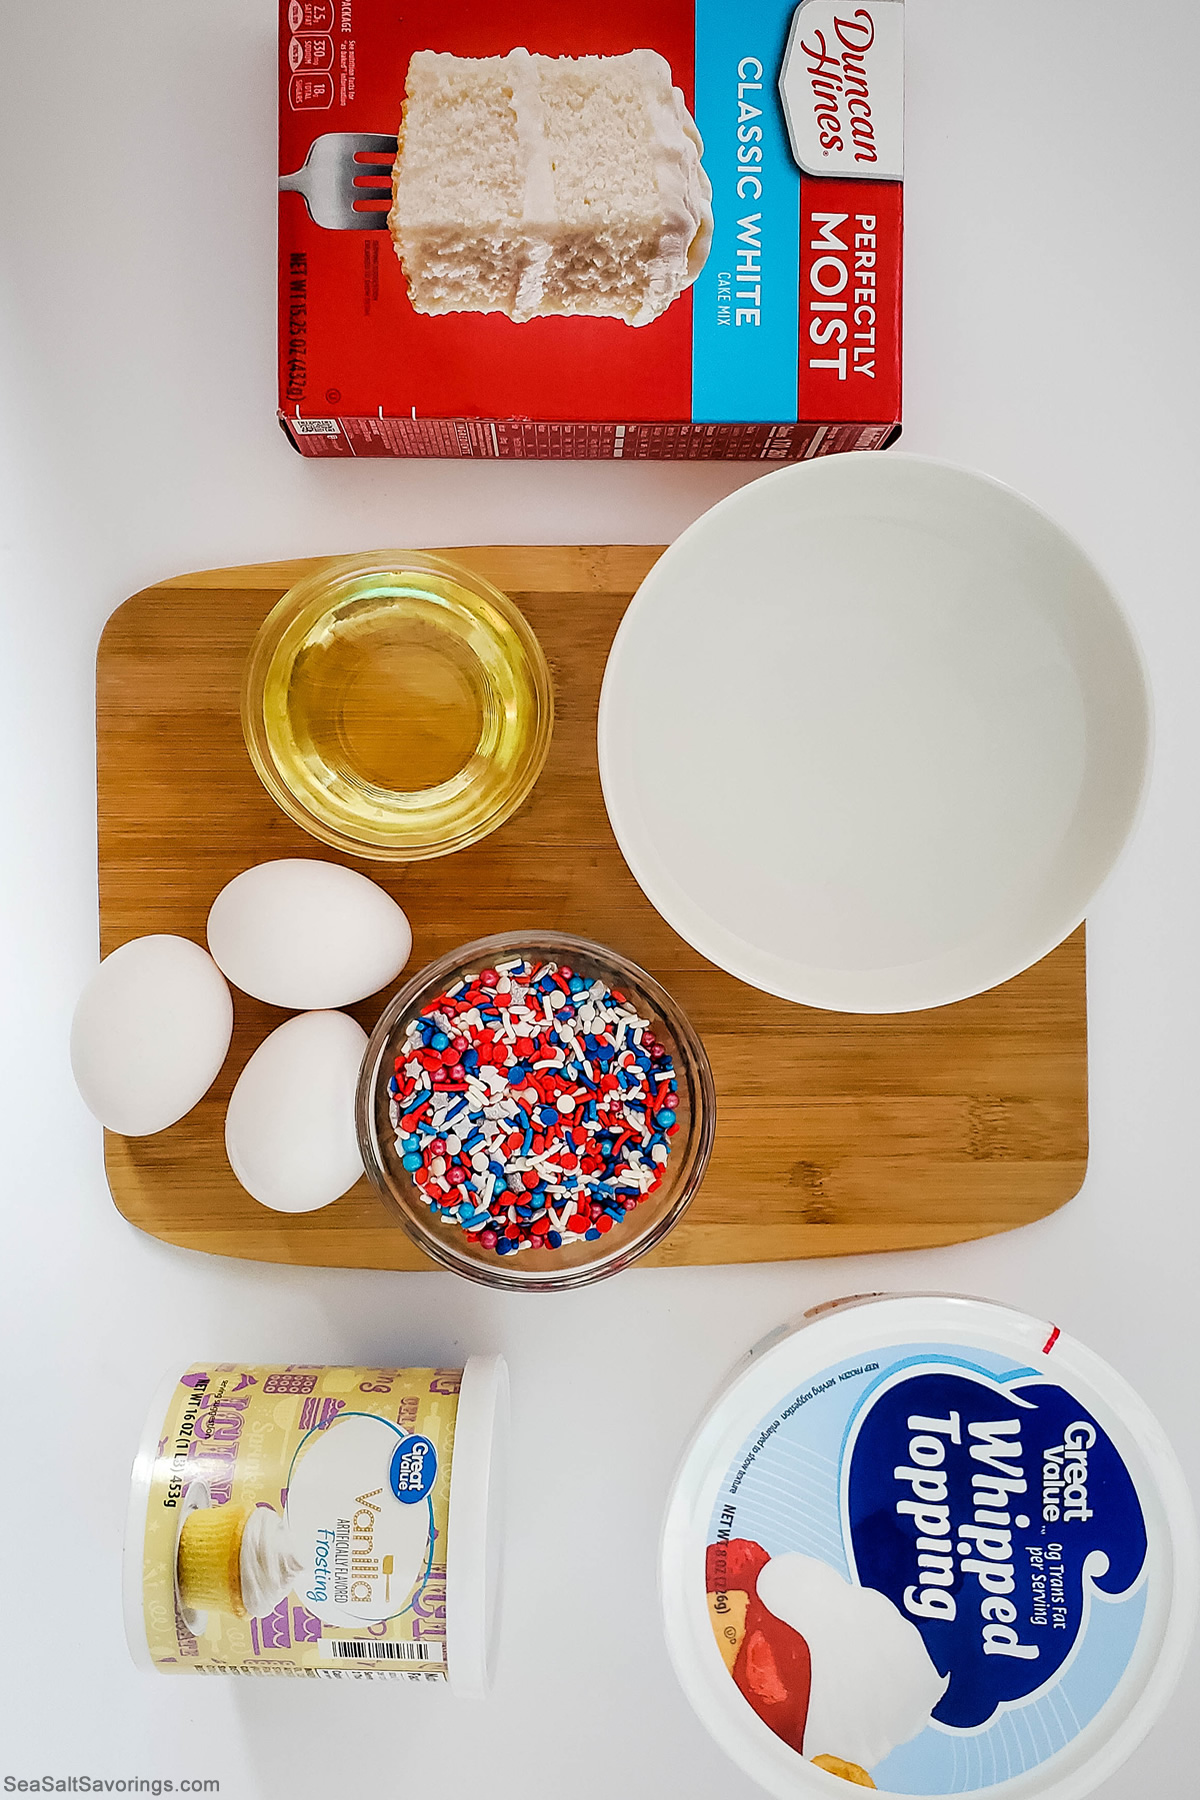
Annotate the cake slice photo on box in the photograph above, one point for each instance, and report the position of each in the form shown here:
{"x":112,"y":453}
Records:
{"x":534,"y":185}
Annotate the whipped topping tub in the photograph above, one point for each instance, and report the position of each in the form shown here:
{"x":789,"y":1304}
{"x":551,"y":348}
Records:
{"x":931,"y":1546}
{"x":301,"y":1520}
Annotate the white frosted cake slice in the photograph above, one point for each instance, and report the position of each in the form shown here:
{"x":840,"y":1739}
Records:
{"x":529,"y":185}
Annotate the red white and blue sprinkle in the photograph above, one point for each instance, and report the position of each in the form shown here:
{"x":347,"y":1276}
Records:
{"x":532,"y":1106}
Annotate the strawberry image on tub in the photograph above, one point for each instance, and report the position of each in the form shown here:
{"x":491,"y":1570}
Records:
{"x":833,"y":1669}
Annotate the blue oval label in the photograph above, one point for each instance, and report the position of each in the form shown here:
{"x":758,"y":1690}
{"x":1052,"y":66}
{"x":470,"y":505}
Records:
{"x":413,"y":1469}
{"x":928,"y":1569}
{"x":993,"y":1517}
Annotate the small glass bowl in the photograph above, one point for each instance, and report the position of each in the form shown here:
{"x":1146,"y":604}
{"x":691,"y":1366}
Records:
{"x":397,"y":706}
{"x":644,"y":1225}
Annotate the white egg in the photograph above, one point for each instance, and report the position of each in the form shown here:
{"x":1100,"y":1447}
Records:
{"x":289,"y":1130}
{"x":307,"y":934}
{"x":150,"y":1033}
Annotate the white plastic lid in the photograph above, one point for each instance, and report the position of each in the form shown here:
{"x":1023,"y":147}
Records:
{"x":475,"y":1531}
{"x":935,"y":1544}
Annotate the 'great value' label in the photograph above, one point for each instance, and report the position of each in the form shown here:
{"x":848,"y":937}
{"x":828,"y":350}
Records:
{"x":928,"y":1568}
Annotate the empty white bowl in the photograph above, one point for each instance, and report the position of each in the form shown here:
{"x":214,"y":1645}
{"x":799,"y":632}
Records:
{"x":872,"y":733}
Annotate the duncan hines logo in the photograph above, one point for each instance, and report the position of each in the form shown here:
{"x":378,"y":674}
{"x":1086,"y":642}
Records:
{"x":842,"y":87}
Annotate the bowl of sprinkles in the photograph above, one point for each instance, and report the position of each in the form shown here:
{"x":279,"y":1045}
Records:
{"x":536,"y":1110}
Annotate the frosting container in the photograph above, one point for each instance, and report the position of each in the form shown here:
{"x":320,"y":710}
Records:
{"x":928,"y":1545}
{"x":294,"y":1519}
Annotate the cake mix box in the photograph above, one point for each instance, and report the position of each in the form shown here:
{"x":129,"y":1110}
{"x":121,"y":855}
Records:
{"x":637,"y":228}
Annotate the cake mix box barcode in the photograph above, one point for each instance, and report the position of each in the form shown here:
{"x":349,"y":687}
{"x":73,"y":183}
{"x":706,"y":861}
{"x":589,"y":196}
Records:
{"x":640,"y":229}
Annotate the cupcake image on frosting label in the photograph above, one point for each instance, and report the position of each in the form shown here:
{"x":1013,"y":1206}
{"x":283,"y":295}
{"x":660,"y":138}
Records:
{"x":530,"y":185}
{"x":233,"y":1559}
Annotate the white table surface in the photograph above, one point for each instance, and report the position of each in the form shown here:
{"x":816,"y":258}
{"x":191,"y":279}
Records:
{"x":1052,"y":280}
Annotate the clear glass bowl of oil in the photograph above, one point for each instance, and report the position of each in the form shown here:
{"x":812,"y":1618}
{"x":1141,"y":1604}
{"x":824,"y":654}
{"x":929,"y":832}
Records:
{"x":397,"y":706}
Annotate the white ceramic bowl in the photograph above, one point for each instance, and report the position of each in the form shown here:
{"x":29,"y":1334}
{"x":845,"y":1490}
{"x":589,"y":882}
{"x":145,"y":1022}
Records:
{"x":872,"y":733}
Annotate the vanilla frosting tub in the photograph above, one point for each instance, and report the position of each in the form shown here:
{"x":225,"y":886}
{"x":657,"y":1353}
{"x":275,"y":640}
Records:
{"x":930,"y":1546}
{"x":304,"y":1520}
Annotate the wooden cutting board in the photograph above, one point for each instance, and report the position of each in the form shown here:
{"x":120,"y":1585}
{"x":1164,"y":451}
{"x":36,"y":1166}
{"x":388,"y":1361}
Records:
{"x":836,"y":1134}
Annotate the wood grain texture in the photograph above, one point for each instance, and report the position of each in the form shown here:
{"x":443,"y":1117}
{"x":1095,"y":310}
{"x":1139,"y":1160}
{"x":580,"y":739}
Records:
{"x":836,"y":1134}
